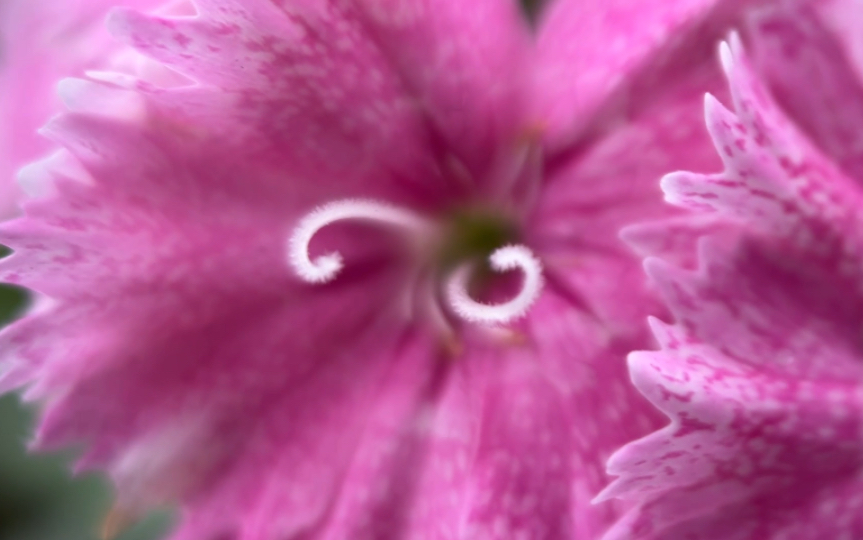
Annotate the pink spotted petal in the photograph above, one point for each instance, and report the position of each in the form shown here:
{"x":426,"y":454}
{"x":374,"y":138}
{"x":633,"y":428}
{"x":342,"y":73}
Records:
{"x":317,"y":79}
{"x":807,"y":56}
{"x":290,"y":97}
{"x":44,"y":41}
{"x":403,"y":434}
{"x":760,"y":372}
{"x":775,"y":180}
{"x":590,"y":196}
{"x":579,"y":355}
{"x":676,"y":239}
{"x":599,"y":55}
{"x":507,"y":444}
{"x":350,"y":472}
{"x":466,"y":67}
{"x":748,"y":455}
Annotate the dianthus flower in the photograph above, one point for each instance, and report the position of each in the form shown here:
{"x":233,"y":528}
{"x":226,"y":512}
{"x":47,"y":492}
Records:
{"x":360,"y":277}
{"x":762,"y":372}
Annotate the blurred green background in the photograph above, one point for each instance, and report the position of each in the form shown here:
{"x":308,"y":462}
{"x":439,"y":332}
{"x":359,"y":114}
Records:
{"x":39,"y":500}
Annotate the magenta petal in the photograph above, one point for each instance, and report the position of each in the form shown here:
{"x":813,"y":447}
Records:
{"x":456,"y":60}
{"x":748,"y":455}
{"x":330,"y":75}
{"x":809,"y":66}
{"x":676,"y":239}
{"x":277,"y":439}
{"x":290,"y":96}
{"x":520,"y":485}
{"x":488,"y":451}
{"x":44,"y":41}
{"x":590,"y":196}
{"x":775,"y":180}
{"x":404,"y":433}
{"x":760,"y":372}
{"x":223,"y":331}
{"x":602,"y":406}
{"x":591,"y":52}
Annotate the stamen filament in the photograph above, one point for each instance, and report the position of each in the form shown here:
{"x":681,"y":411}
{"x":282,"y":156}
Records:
{"x":325,"y":267}
{"x":501,"y":260}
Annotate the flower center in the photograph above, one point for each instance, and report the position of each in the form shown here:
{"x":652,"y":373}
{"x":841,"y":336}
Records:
{"x":467,"y":250}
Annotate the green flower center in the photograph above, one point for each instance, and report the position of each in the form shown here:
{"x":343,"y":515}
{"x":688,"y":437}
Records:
{"x":473,"y":235}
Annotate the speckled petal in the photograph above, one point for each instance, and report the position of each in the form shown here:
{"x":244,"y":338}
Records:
{"x":508,"y":443}
{"x":44,"y":41}
{"x":580,"y":356}
{"x":320,"y":78}
{"x":760,"y":372}
{"x":406,"y":430}
{"x":748,"y":455}
{"x":810,"y":58}
{"x":292,"y":94}
{"x":676,"y":239}
{"x":589,"y":197}
{"x":520,"y":482}
{"x":775,"y":180}
{"x":615,"y":181}
{"x":596,"y":55}
{"x":349,"y":473}
{"x":467,"y":67}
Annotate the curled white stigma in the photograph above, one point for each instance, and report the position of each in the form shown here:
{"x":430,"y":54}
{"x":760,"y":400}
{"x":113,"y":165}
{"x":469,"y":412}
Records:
{"x":325,"y":267}
{"x":501,"y":260}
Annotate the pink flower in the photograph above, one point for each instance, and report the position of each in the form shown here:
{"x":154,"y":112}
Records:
{"x":761,"y":373}
{"x":43,"y":41}
{"x":361,"y":279}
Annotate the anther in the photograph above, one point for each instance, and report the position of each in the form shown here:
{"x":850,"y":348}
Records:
{"x":325,"y":267}
{"x":502,"y":260}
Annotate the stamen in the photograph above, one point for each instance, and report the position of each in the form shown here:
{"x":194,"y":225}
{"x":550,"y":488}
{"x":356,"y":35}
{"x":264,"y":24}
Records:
{"x":502,"y":260}
{"x":325,"y":267}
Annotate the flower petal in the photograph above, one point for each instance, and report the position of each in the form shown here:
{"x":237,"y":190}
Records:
{"x":404,"y":432}
{"x":503,"y":443}
{"x":44,"y":41}
{"x":775,"y":181}
{"x":676,"y":239}
{"x":596,"y":54}
{"x":747,"y":456}
{"x":527,"y":460}
{"x":590,"y":196}
{"x":581,"y":357}
{"x":312,"y":82}
{"x":460,"y":58}
{"x":815,"y":80}
{"x":614,"y":182}
{"x":520,"y":485}
{"x":349,"y":471}
{"x":290,"y":98}
{"x":760,"y":374}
